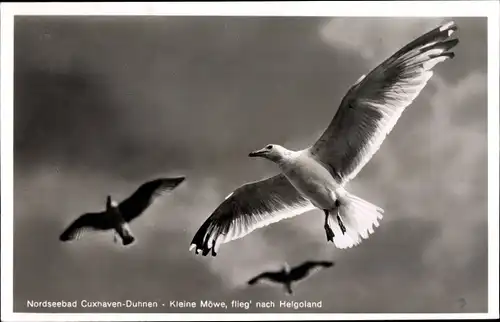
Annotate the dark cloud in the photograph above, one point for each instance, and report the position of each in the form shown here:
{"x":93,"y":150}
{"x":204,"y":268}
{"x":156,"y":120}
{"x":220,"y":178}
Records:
{"x":104,"y":103}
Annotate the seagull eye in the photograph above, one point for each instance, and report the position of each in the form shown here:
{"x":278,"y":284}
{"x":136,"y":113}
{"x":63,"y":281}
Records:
{"x":269,"y":147}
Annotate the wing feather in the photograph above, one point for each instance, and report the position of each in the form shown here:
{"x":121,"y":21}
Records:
{"x":144,"y":196}
{"x":303,"y":270}
{"x":251,"y":206}
{"x":373,"y":105}
{"x":85,"y":223}
{"x":271,"y":276}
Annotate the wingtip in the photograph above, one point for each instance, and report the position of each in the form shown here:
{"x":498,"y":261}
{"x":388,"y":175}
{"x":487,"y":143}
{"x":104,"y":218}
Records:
{"x":201,"y":241}
{"x":195,"y":247}
{"x":450,"y":55}
{"x":179,"y":179}
{"x":64,"y":237}
{"x":205,"y":251}
{"x":450,"y":25}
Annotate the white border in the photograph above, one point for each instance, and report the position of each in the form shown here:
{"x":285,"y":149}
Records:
{"x":488,"y":9}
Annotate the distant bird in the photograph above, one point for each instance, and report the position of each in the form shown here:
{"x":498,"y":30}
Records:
{"x":287,"y":276}
{"x":462,"y":302}
{"x":314,"y":178}
{"x":116,"y":217}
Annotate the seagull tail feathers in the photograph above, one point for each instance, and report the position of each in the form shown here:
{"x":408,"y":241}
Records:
{"x":126,"y":234}
{"x":359,"y":218}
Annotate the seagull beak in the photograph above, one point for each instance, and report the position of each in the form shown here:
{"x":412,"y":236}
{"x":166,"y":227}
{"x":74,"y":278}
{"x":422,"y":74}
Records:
{"x":257,"y":153}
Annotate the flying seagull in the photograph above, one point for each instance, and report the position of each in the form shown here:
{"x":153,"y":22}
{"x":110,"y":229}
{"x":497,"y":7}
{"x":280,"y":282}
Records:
{"x":287,"y":276}
{"x":314,"y":178}
{"x":117,"y":216}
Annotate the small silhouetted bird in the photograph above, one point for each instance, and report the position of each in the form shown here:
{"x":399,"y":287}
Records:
{"x":287,"y":276}
{"x":117,"y":216}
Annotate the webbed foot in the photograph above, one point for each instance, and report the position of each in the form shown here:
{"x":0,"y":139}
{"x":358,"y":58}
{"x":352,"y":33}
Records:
{"x":329,"y":233}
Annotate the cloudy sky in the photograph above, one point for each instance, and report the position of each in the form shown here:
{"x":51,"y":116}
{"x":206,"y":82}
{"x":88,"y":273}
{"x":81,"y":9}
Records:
{"x":104,"y":104}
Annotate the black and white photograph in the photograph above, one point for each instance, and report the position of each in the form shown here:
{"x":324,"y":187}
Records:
{"x":233,"y":164}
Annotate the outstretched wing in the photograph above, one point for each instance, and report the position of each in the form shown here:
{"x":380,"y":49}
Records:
{"x":271,"y":276}
{"x":86,"y":222}
{"x":304,"y":269}
{"x":144,"y":196}
{"x":373,"y":105}
{"x":251,"y":206}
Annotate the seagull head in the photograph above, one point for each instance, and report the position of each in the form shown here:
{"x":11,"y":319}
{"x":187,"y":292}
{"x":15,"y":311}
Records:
{"x":273,"y":152}
{"x":110,"y":204}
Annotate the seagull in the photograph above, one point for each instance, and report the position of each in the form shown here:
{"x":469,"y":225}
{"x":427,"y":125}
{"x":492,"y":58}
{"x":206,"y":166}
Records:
{"x":117,"y":216}
{"x":315,"y":178}
{"x":287,"y":276}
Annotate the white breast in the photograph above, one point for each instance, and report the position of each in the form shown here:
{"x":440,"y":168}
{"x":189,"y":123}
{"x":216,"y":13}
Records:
{"x":312,"y":180}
